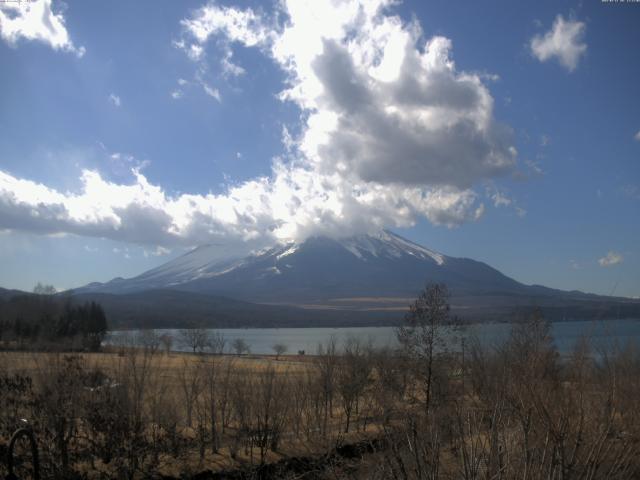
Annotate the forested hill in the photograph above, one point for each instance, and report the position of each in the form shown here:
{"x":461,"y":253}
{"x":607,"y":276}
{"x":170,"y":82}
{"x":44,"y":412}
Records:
{"x":50,"y":319}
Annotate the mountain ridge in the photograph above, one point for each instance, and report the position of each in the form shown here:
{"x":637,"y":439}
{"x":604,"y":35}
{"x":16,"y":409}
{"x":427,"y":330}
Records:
{"x":368,"y":271}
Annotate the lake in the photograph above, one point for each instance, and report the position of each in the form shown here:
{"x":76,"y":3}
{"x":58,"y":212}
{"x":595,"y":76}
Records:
{"x":603,"y":334}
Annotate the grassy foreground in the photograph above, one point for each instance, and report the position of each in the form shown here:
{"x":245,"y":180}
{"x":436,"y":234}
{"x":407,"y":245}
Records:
{"x":184,"y":413}
{"x":511,"y":411}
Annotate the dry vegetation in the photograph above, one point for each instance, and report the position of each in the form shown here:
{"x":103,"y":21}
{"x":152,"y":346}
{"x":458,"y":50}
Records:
{"x":512,"y":411}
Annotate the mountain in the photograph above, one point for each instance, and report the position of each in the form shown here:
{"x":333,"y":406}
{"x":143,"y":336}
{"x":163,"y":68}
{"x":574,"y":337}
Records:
{"x":319,"y":268}
{"x":6,"y":294}
{"x":373,"y":274}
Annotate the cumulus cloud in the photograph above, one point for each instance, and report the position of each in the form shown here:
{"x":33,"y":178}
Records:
{"x":292,"y":203}
{"x":35,"y":20}
{"x":610,"y":259}
{"x":564,"y":43}
{"x":378,"y":100}
{"x":391,"y":131}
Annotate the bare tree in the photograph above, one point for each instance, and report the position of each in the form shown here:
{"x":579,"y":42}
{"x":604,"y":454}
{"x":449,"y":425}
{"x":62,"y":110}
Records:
{"x":392,"y":380}
{"x":270,"y":409}
{"x":279,"y":349}
{"x":424,"y":333}
{"x":167,"y":342}
{"x":195,"y":338}
{"x":149,"y":340}
{"x":326,"y":363}
{"x":42,"y":289}
{"x":190,"y":378}
{"x":353,"y":377}
{"x":59,"y":404}
{"x":217,"y":343}
{"x":240,"y":346}
{"x":210,"y":398}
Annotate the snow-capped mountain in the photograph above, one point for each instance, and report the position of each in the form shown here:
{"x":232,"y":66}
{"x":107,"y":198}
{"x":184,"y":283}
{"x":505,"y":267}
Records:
{"x":360,"y":280}
{"x":318,"y":270}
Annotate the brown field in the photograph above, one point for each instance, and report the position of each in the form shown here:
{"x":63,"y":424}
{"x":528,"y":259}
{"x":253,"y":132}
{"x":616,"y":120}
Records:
{"x":171,"y":364}
{"x":180,"y":379}
{"x":516,"y":411}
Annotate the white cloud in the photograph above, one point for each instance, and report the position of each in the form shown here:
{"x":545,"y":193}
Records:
{"x":237,"y":25}
{"x":35,"y":20}
{"x":391,"y":131}
{"x":637,"y":136}
{"x":211,"y":91}
{"x":500,"y":199}
{"x":179,"y":92}
{"x":564,"y":42}
{"x":376,"y":99}
{"x":115,"y":99}
{"x":380,"y":108}
{"x":293,"y":203}
{"x":229,"y":68}
{"x":610,"y":259}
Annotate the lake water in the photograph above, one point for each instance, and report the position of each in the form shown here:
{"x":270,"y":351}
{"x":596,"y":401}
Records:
{"x":602,"y":334}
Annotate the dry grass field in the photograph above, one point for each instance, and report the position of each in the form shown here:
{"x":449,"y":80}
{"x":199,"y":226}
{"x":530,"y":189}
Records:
{"x":513,"y":411}
{"x":177,"y":395}
{"x":170,"y":364}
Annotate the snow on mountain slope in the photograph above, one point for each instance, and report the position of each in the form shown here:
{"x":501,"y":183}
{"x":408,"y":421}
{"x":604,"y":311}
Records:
{"x":388,"y":244}
{"x":203,"y":261}
{"x":317,"y":269}
{"x":191,"y":265}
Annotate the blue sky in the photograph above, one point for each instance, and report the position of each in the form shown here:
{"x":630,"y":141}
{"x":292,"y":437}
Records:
{"x":500,"y":131}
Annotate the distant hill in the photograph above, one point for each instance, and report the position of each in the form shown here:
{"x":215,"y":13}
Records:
{"x":175,"y":309}
{"x":6,"y":294}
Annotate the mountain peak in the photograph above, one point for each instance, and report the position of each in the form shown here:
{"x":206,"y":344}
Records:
{"x":383,"y":244}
